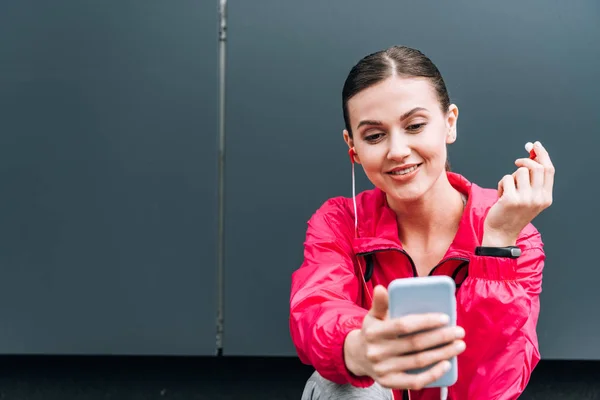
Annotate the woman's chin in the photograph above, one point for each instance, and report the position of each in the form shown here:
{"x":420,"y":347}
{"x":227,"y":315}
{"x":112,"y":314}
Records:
{"x":404,"y":194}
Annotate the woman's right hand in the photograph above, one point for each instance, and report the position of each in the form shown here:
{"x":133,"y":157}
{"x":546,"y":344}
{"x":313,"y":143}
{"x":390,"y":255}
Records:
{"x":386,"y":348}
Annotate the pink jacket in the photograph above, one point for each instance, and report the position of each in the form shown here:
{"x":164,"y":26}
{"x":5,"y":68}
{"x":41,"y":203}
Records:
{"x":497,"y":298}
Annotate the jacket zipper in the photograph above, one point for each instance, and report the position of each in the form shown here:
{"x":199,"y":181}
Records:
{"x":412,"y":263}
{"x":448,"y":259}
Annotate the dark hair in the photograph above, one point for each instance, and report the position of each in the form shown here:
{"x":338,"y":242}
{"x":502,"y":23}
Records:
{"x":398,"y":61}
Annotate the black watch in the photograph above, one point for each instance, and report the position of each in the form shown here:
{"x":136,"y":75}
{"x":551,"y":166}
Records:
{"x":509,"y":251}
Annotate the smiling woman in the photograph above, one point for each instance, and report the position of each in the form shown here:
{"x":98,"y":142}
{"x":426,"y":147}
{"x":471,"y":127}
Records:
{"x":421,"y":219}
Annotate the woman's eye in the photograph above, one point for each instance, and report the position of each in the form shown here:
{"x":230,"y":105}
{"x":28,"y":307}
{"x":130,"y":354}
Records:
{"x":415,"y":127}
{"x":373,"y":137}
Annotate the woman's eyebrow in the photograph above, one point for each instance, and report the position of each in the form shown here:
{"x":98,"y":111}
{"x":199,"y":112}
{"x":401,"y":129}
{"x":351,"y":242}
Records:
{"x":404,"y":116}
{"x":369,"y":122}
{"x":411,"y":112}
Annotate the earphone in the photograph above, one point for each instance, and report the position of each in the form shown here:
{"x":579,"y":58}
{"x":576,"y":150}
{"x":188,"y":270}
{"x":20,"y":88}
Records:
{"x":351,"y":153}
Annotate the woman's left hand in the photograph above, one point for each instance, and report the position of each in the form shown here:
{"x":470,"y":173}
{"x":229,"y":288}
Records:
{"x":521,"y":197}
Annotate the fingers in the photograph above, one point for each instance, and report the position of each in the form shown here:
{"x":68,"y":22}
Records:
{"x":542,"y":155}
{"x":541,"y":178}
{"x":536,"y":172}
{"x":507,"y":187}
{"x":391,"y":372}
{"x":543,"y":158}
{"x":427,"y":377}
{"x":379,"y":307}
{"x":422,"y":359}
{"x":395,"y":327}
{"x":429,"y":340}
{"x":416,"y":343}
{"x":522,"y":181}
{"x":401,"y":380}
{"x":501,"y":187}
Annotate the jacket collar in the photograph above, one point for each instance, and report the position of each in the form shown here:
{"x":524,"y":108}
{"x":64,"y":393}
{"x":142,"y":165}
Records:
{"x":378,"y":229}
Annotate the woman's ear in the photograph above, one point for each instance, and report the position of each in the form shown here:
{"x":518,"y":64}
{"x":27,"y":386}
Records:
{"x":350,"y":144}
{"x":348,"y":139}
{"x":451,"y":123}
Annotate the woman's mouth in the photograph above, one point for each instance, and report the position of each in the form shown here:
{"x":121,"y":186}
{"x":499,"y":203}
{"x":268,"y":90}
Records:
{"x":404,"y":171}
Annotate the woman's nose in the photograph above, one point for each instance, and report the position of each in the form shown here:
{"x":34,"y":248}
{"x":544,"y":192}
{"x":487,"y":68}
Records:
{"x":399,"y":148}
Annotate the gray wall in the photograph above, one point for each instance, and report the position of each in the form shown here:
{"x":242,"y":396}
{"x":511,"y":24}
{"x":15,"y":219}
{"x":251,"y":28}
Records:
{"x":107,"y":170}
{"x":108,"y":127}
{"x":519,"y":71}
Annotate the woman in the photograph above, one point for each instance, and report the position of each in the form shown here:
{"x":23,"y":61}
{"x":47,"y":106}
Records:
{"x":421,"y":219}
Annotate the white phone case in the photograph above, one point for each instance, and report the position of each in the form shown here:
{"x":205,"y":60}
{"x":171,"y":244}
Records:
{"x":425,"y":295}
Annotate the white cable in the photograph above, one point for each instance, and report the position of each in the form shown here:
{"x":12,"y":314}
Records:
{"x":354,"y":200}
{"x":444,"y":393}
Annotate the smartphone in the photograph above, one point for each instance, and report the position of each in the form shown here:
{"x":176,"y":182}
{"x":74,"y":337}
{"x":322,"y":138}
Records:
{"x":426,"y":295}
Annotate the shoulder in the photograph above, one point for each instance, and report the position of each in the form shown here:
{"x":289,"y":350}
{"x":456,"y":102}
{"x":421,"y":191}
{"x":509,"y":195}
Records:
{"x":336,"y":214}
{"x":335,"y":208}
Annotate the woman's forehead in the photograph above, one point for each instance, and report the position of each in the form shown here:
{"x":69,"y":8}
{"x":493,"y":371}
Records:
{"x":390,"y":97}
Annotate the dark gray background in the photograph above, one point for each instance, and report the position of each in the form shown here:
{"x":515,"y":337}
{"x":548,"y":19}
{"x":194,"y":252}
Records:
{"x":108,"y":128}
{"x":108,"y":175}
{"x":519,"y":71}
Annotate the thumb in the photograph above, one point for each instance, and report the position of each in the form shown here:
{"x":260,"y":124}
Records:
{"x":379,"y":306}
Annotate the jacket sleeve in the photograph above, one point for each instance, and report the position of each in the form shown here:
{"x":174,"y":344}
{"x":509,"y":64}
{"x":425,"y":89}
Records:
{"x":498,"y":306}
{"x":324,"y":298}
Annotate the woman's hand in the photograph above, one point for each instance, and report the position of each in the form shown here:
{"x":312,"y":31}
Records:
{"x":522,"y":196}
{"x":385,"y":348}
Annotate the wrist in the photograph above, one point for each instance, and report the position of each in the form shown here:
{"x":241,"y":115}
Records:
{"x":498,"y":239}
{"x":352,"y":346}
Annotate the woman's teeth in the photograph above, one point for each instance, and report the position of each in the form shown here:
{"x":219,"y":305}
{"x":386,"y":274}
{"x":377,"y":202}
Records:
{"x":404,"y":171}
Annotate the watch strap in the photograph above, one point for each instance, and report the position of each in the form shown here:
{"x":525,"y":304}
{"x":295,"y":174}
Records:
{"x":508,"y":251}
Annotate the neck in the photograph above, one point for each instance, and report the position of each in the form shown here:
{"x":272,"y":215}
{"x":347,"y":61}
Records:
{"x":434,"y":215}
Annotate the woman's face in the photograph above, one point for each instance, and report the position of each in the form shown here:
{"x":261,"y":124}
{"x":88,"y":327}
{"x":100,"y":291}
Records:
{"x":400,"y":135}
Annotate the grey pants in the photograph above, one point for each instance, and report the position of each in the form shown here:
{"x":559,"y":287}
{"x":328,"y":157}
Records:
{"x":319,"y":388}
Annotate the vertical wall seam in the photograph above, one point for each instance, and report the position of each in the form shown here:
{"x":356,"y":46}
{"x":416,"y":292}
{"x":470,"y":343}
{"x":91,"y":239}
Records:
{"x":222,"y":14}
